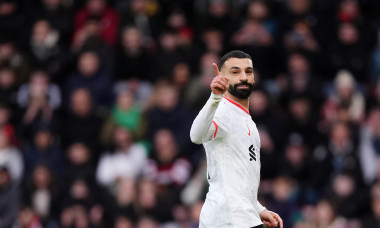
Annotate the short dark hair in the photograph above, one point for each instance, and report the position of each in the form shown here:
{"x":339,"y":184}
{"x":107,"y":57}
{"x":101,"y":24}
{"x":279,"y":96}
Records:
{"x":233,"y":54}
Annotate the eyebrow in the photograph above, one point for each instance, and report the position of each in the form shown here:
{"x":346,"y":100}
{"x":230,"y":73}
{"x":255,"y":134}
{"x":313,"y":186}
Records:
{"x":237,"y":68}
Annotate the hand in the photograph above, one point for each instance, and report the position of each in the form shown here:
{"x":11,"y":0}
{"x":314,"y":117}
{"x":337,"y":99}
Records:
{"x":219,"y":84}
{"x":271,"y":219}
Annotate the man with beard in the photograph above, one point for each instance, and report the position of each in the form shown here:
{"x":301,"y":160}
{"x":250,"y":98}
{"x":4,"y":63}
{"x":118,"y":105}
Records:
{"x":232,"y":145}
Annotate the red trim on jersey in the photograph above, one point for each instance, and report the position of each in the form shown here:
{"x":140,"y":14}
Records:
{"x":237,"y":104}
{"x":216,"y":129}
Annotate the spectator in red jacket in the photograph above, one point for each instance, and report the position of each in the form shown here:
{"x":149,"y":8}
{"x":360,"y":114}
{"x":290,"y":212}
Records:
{"x":109,"y":19}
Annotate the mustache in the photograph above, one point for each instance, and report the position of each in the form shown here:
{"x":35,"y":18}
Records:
{"x":244,"y":83}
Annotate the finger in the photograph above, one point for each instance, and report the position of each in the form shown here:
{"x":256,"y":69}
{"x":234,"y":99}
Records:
{"x":266,"y":224}
{"x":216,"y":69}
{"x":218,"y":85}
{"x":278,"y":218}
{"x":221,"y":80}
{"x":224,"y":78}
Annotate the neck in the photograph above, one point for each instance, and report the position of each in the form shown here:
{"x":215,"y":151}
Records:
{"x":243,"y":102}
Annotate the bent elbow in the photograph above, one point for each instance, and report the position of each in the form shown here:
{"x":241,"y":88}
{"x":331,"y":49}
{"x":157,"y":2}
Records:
{"x":194,"y":138}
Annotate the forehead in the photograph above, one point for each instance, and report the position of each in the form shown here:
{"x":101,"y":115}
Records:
{"x":240,"y":63}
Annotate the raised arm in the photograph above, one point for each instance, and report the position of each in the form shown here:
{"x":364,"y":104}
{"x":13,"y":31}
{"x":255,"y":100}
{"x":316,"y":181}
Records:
{"x":203,"y":127}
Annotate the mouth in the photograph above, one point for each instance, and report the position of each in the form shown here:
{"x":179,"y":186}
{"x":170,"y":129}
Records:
{"x":243,"y":87}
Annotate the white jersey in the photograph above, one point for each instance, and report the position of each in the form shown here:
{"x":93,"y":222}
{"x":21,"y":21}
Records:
{"x":232,"y":145}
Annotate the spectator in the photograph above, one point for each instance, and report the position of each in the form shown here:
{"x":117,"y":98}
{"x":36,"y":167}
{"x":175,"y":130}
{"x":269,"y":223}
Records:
{"x":123,"y":222}
{"x":284,"y":198}
{"x":39,"y":99}
{"x":109,"y":19}
{"x":11,"y":157}
{"x":373,"y":219}
{"x":349,"y":51}
{"x":28,"y":218}
{"x":57,"y":14}
{"x":167,"y":55}
{"x":132,"y":57}
{"x":302,"y":119}
{"x":301,"y":38}
{"x":14,"y":59}
{"x":44,"y":149}
{"x":46,"y":50}
{"x":369,"y":145}
{"x":299,"y":80}
{"x":10,"y":19}
{"x":9,"y":198}
{"x":199,"y":88}
{"x":168,"y":169}
{"x":8,"y":86}
{"x":127,"y":159}
{"x":149,"y":203}
{"x":147,"y":20}
{"x":88,"y":38}
{"x":349,"y":199}
{"x":181,"y":76}
{"x":79,"y":164}
{"x":90,"y":76}
{"x":338,"y":155}
{"x":212,"y":41}
{"x":326,"y":216}
{"x":167,"y":112}
{"x":82,"y":123}
{"x":345,"y":102}
{"x":6,"y":124}
{"x":126,"y":114}
{"x":41,"y":193}
{"x":296,"y":163}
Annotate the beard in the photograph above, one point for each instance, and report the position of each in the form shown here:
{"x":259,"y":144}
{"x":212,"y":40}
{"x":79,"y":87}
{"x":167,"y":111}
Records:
{"x":240,"y":93}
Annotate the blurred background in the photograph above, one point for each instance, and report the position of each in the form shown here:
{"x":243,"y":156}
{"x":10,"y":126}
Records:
{"x":97,"y":99}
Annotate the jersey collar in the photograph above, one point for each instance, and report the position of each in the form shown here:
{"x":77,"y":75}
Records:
{"x":237,"y":104}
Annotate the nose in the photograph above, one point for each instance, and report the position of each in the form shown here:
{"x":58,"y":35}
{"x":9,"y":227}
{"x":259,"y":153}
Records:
{"x":244,"y":77}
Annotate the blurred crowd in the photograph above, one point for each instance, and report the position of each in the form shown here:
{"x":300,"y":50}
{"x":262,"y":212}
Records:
{"x":97,"y":98}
